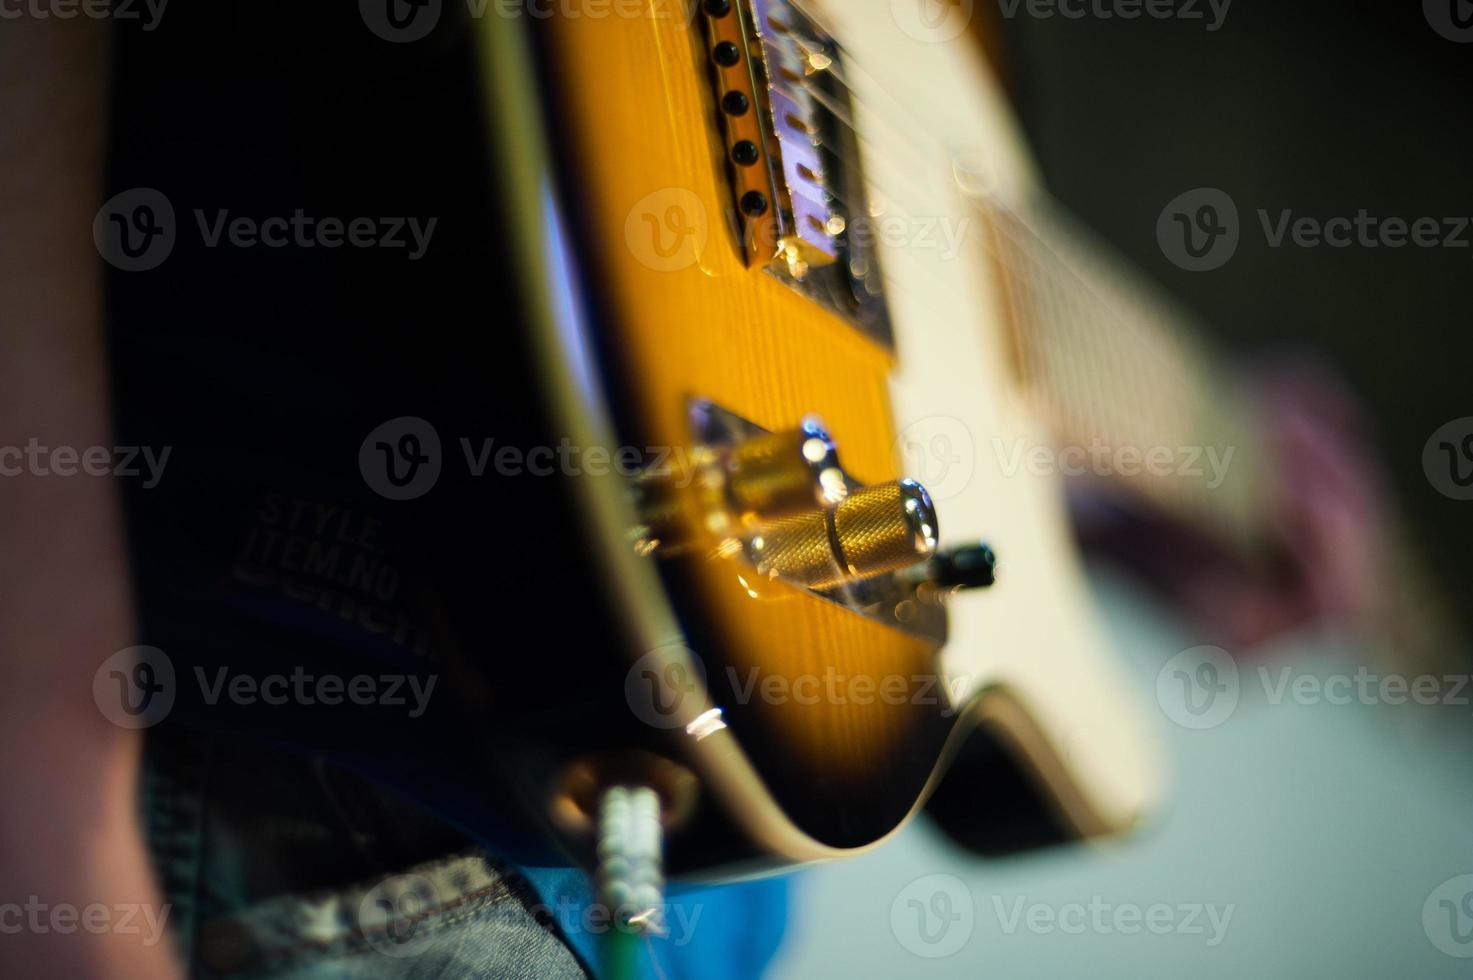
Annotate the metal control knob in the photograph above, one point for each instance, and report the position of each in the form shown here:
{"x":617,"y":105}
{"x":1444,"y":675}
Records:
{"x":779,"y":474}
{"x":875,"y":530}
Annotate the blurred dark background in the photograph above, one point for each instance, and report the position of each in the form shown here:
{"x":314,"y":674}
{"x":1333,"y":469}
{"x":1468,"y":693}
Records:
{"x":1318,"y":107}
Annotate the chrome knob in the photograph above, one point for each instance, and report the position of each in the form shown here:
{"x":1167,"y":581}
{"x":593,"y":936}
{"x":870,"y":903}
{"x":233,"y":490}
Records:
{"x":886,"y":528}
{"x":780,"y":474}
{"x":875,"y":530}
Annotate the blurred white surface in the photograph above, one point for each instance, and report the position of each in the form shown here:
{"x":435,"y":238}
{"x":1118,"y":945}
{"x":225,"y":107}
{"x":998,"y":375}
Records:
{"x":1316,"y":833}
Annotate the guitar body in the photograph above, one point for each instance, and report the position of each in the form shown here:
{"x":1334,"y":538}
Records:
{"x":589,"y":283}
{"x":679,"y":312}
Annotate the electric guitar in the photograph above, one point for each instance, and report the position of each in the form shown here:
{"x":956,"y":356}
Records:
{"x":812,"y":233}
{"x":794,"y":355}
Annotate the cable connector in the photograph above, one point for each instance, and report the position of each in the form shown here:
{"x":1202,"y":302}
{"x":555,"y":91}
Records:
{"x":631,"y":881}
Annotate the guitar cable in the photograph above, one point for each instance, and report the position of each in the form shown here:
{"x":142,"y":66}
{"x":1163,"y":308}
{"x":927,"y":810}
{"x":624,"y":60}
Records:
{"x":629,"y":876}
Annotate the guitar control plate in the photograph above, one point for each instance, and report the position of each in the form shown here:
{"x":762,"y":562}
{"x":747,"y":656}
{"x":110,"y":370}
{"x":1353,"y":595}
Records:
{"x":901,"y":599}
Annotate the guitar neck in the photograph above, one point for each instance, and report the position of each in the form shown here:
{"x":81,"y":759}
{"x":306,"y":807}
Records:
{"x":1133,"y":391}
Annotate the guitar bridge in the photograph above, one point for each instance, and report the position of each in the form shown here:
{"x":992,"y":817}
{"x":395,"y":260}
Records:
{"x":793,"y":156}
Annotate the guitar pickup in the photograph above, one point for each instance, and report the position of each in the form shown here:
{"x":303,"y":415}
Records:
{"x":793,"y":156}
{"x":764,"y":54}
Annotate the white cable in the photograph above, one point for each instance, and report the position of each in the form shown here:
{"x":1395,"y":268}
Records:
{"x":630,"y":880}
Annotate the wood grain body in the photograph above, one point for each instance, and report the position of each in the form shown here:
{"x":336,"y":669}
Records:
{"x":683,"y":316}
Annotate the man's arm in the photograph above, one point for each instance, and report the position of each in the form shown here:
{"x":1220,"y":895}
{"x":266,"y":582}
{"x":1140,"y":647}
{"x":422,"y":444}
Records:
{"x":69,"y":833}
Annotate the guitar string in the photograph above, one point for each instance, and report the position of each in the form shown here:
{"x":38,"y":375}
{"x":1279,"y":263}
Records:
{"x":919,"y":134}
{"x":1033,"y":246}
{"x":993,"y":203}
{"x":1183,"y":359}
{"x":987,"y":203}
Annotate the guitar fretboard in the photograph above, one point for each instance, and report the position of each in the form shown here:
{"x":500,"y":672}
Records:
{"x":1125,"y":378}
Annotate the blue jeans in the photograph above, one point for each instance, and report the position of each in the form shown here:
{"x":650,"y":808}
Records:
{"x":279,"y":866}
{"x":276,"y":866}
